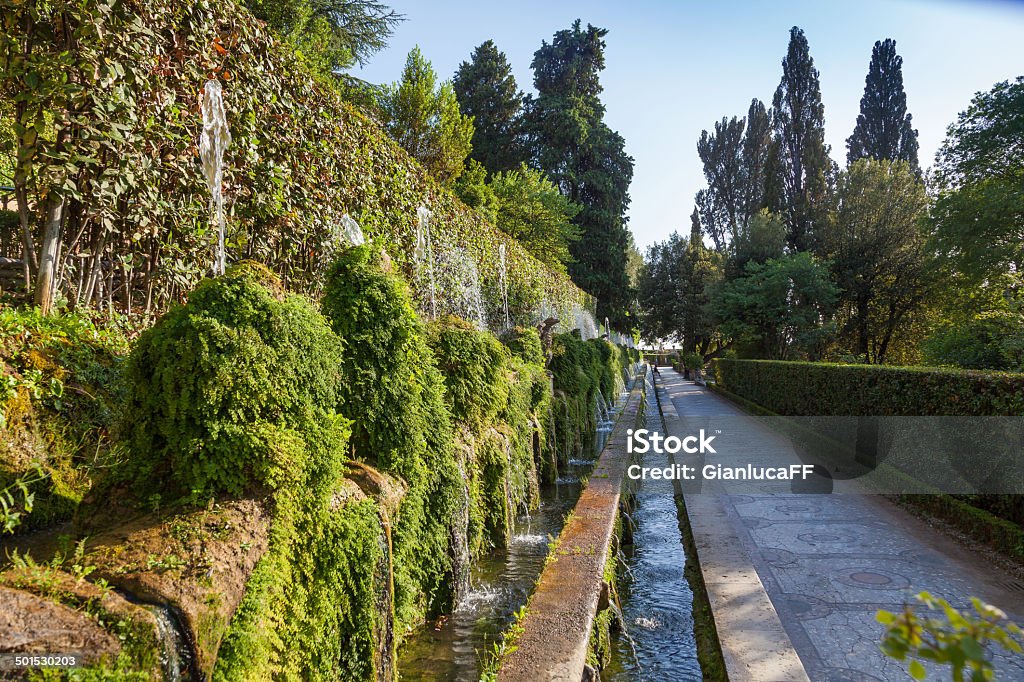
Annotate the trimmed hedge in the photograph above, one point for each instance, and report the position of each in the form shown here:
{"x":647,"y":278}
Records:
{"x":825,"y":389}
{"x":771,"y":387}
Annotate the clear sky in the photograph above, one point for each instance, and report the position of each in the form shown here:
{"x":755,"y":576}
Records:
{"x":674,"y":68}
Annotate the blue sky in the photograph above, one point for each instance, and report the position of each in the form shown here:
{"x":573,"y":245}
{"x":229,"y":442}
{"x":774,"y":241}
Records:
{"x":674,"y":68}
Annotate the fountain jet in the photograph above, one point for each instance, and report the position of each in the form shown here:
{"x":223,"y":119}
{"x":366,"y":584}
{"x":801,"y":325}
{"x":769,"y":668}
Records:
{"x":215,"y":139}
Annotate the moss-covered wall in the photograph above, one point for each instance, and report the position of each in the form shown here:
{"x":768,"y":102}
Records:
{"x":388,"y":453}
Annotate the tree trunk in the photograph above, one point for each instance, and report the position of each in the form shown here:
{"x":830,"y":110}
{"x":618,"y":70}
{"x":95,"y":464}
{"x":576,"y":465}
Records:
{"x":46,"y":280}
{"x":862,"y":329}
{"x":21,"y":196}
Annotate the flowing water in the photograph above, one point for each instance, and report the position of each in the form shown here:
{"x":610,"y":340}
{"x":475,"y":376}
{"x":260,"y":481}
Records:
{"x":657,"y":603}
{"x":177,"y":657}
{"x":215,"y":139}
{"x":454,"y":647}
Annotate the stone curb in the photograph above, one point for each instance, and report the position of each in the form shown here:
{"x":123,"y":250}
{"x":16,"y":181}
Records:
{"x":555,"y":634}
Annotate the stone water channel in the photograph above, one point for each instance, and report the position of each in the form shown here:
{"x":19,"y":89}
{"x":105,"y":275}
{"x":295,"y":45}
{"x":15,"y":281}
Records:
{"x":658,"y":641}
{"x":656,"y":601}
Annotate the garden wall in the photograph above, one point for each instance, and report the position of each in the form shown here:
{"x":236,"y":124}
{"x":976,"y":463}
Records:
{"x":137,"y":225}
{"x":299,"y":487}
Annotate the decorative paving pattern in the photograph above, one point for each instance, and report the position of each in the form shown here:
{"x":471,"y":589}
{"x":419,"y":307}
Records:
{"x":830,"y":562}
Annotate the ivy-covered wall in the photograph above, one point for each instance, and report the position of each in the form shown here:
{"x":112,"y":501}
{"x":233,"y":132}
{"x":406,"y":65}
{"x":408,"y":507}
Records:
{"x":138,"y":228}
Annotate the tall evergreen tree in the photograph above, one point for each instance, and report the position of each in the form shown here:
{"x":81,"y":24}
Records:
{"x":333,"y":35}
{"x":757,"y":149}
{"x":722,"y":204}
{"x":802,"y":158}
{"x":586,"y":160}
{"x":487,"y":91}
{"x":423,"y":116}
{"x":884,"y":130}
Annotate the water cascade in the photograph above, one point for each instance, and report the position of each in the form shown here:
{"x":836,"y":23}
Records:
{"x":424,"y":254}
{"x":502,"y":580}
{"x":215,"y":139}
{"x":349,"y":231}
{"x":468,"y":284}
{"x":503,"y":272}
{"x":584,"y":321}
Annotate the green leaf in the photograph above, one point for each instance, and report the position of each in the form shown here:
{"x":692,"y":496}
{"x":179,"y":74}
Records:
{"x":917,"y":670}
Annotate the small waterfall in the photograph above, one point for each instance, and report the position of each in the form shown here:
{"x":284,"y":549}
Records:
{"x":460,"y":278}
{"x":461,"y":560}
{"x":215,"y":139}
{"x":424,"y":253}
{"x":474,"y":296}
{"x":349,"y":231}
{"x":503,"y":272}
{"x":177,"y":659}
{"x":584,"y":321}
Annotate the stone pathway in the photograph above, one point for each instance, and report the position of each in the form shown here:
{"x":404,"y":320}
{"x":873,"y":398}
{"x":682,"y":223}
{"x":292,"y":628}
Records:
{"x":829,"y":562}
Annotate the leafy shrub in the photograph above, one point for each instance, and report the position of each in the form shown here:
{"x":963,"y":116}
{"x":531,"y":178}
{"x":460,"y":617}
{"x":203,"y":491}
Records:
{"x":574,"y":365}
{"x":817,"y":388}
{"x":214,"y":382}
{"x":987,"y":341}
{"x":475,"y":367}
{"x":60,"y":383}
{"x":394,"y":392}
{"x":959,"y":639}
{"x":524,"y":343}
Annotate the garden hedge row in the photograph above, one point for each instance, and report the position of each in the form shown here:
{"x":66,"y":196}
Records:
{"x":825,"y":389}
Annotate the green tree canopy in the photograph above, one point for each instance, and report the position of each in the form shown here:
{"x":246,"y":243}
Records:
{"x":678,"y":276}
{"x":332,"y":35}
{"x":877,"y":247}
{"x":980,"y":327}
{"x":763,"y":239}
{"x":779,"y":309}
{"x":979,"y":212}
{"x":736,"y":163}
{"x":531,"y":209}
{"x":423,"y":116}
{"x":487,"y":92}
{"x":474,"y":190}
{"x":586,"y":160}
{"x":884,"y":129}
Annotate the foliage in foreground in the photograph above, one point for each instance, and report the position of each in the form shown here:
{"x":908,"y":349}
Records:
{"x":954,"y":639}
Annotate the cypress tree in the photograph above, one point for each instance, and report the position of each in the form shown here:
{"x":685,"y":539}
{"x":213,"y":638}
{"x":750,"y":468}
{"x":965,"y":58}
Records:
{"x":587,"y":160}
{"x":802,"y":160}
{"x":884,"y":130}
{"x":487,"y":91}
